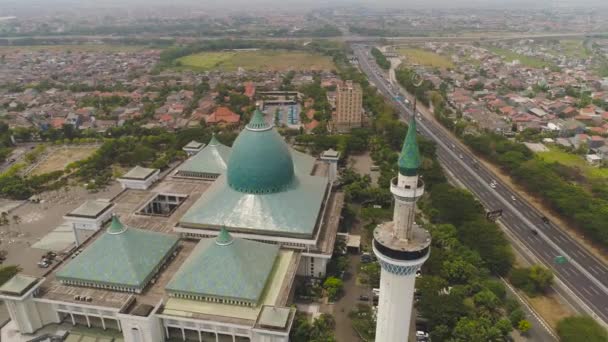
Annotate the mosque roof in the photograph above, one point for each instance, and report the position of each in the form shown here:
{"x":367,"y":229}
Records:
{"x":122,"y":256}
{"x":226,"y":267}
{"x":267,"y":189}
{"x":212,"y":159}
{"x":260,"y":161}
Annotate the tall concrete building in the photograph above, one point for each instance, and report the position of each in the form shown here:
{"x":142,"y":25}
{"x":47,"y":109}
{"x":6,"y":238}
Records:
{"x":401,"y":247}
{"x":349,"y":107}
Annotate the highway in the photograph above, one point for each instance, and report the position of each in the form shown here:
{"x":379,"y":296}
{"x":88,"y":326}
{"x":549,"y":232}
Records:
{"x":584,"y":276}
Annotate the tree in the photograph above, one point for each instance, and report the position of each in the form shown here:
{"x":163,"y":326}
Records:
{"x":524,"y":326}
{"x":574,"y":329}
{"x":516,"y":316}
{"x":504,"y":325}
{"x":333,"y":287}
{"x":7,"y":272}
{"x":541,"y":277}
{"x":370,"y":274}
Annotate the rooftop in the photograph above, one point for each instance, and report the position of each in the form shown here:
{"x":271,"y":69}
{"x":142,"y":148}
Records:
{"x":274,"y":317}
{"x":194,"y":145}
{"x":18,"y":284}
{"x":226,"y":267}
{"x":212,"y":159}
{"x":91,"y":209}
{"x":122,"y":256}
{"x":139,"y":173}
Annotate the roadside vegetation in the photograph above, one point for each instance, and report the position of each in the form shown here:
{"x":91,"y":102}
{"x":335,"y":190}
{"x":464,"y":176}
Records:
{"x":381,"y":59}
{"x":575,"y":329}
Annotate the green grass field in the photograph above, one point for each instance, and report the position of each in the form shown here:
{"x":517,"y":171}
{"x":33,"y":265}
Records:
{"x":276,"y":60}
{"x":573,"y":160}
{"x":574,"y":48}
{"x":510,"y":56}
{"x":74,"y":48}
{"x":426,"y":58}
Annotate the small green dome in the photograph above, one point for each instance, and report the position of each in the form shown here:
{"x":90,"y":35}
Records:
{"x":260,"y":161}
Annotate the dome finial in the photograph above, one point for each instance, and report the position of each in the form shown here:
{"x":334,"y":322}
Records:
{"x":116,"y":227}
{"x":224,"y":238}
{"x":213,"y":141}
{"x":258,"y":122}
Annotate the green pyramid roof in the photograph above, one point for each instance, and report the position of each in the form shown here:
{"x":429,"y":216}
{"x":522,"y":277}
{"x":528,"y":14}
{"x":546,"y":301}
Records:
{"x":409,"y":159}
{"x":128,"y":258}
{"x":237,"y":270}
{"x":116,"y":227}
{"x":212,"y":159}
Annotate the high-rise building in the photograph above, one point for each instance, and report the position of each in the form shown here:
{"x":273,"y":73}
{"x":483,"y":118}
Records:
{"x":401,"y":247}
{"x":349,"y":107}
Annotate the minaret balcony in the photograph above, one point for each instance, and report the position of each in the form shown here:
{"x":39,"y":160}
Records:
{"x":406,"y":192}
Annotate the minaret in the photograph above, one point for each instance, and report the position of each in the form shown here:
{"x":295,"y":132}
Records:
{"x":401,"y":247}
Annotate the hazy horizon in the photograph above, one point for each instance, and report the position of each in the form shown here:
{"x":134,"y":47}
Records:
{"x":236,"y":5}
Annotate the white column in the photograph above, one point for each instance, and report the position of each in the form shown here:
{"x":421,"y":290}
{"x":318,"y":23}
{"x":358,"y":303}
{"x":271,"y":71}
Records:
{"x":103,"y":322}
{"x":88,"y":321}
{"x":183,"y":333}
{"x":200,"y":337}
{"x":394,"y":307}
{"x":73,"y":321}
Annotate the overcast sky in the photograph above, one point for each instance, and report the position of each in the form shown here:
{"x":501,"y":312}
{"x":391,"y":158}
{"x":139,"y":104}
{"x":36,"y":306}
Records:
{"x":242,"y":4}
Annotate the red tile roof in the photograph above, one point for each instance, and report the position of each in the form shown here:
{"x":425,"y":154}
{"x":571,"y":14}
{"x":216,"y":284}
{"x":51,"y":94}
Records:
{"x":222,"y":114}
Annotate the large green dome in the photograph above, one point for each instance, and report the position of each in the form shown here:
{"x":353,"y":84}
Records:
{"x":260,"y":161}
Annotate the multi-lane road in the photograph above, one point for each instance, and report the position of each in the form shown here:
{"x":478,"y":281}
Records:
{"x":584,"y":277}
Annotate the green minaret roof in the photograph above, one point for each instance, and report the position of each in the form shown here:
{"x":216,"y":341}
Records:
{"x":257,"y":121}
{"x":409,"y":159}
{"x":223,"y":238}
{"x":116,"y":227}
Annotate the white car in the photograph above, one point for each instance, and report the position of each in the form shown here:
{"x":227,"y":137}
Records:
{"x":421,"y":333}
{"x":493,"y":185}
{"x":513,"y":198}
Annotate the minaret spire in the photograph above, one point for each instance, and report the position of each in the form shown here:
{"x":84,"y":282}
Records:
{"x":409,"y":159}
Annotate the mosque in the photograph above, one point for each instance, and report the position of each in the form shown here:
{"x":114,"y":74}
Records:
{"x":206,"y":251}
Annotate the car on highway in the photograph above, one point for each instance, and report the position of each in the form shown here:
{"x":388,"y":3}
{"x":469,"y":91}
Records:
{"x":364,"y":298}
{"x":461,"y":156}
{"x":493,"y":185}
{"x":534,"y":231}
{"x":513,"y":198}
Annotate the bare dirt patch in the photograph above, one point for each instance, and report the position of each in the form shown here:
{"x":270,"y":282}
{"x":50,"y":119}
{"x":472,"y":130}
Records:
{"x":550,"y":308}
{"x":57,"y":158}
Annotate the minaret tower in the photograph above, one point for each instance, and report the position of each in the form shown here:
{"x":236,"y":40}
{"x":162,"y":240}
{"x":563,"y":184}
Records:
{"x":401,"y":247}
